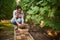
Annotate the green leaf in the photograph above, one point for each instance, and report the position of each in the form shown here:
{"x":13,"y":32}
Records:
{"x":30,"y":12}
{"x":42,"y":11}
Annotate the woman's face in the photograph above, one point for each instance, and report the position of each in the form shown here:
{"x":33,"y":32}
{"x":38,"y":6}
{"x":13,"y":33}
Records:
{"x":18,"y":10}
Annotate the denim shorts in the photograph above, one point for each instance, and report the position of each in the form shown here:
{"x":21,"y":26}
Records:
{"x":13,"y":21}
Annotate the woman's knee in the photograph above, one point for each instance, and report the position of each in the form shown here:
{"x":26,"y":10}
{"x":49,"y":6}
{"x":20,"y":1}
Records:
{"x":12,"y":21}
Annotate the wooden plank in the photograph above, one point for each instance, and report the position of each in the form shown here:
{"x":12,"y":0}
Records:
{"x":22,"y":34}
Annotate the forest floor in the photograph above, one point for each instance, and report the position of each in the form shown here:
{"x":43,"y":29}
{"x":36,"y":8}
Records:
{"x":7,"y":32}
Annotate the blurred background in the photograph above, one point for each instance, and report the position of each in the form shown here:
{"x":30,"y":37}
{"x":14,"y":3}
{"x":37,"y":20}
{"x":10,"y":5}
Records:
{"x":38,"y":14}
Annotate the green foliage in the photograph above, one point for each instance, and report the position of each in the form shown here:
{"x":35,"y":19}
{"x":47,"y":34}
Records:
{"x":34,"y":10}
{"x":39,"y":10}
{"x":6,"y":8}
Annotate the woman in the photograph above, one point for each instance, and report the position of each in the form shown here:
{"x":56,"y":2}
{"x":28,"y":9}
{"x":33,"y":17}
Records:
{"x":18,"y":17}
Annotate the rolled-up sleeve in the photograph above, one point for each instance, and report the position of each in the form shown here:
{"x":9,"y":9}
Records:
{"x":14,"y":14}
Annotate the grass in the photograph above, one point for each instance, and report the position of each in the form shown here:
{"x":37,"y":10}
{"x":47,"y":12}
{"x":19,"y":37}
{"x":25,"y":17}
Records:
{"x":6,"y":25}
{"x":6,"y":30}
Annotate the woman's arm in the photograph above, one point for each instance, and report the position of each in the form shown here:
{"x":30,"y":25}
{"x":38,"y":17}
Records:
{"x":22,"y":17}
{"x":17,"y":23}
{"x":14,"y":14}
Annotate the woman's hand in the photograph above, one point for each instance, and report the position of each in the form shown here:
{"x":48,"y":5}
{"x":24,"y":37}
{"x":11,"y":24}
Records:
{"x":21,"y":25}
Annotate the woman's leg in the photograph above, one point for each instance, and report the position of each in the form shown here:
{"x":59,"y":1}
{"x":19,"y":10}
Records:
{"x":13,"y":21}
{"x":19,"y":20}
